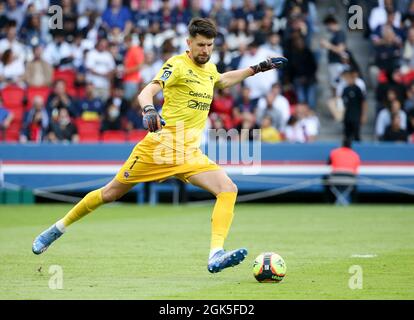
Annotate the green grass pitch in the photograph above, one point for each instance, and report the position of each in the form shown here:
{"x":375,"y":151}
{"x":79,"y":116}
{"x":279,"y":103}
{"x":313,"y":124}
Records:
{"x":142,"y":252}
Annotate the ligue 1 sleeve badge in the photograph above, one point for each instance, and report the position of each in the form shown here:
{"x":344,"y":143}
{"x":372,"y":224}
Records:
{"x":166,"y":75}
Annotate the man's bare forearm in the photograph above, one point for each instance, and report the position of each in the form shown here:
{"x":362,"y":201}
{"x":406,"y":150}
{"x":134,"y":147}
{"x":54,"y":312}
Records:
{"x":146,"y":97}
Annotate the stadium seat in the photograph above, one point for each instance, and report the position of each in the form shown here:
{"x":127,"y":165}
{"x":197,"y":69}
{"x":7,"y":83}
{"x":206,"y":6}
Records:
{"x":168,"y":186}
{"x":136,"y":135}
{"x":12,"y":96}
{"x":37,"y":91}
{"x":114,"y":136}
{"x":140,"y":191}
{"x":88,"y":130}
{"x":342,"y":186}
{"x":13,"y":131}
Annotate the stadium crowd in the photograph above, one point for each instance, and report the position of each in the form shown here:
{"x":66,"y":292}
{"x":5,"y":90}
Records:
{"x":79,"y":81}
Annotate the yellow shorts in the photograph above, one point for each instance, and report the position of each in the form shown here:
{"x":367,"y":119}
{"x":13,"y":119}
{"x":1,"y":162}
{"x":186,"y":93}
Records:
{"x":142,"y":166}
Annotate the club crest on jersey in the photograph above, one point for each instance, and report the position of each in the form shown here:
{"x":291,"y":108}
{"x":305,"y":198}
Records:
{"x":166,"y":75}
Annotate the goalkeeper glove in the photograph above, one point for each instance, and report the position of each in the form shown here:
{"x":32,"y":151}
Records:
{"x":152,"y":121}
{"x":269,"y":64}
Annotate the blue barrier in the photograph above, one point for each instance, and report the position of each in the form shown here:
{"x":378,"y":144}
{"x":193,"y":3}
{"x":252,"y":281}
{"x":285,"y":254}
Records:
{"x":51,"y":165}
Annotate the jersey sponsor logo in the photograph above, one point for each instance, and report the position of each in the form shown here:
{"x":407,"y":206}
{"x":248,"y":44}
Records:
{"x":197,"y":105}
{"x":166,"y":75}
{"x":200,"y":95}
{"x":192,"y":81}
{"x":191,"y":73}
{"x":126,"y":174}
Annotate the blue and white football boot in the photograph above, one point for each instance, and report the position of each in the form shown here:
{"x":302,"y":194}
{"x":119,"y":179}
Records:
{"x":45,"y":239}
{"x":224,"y":259}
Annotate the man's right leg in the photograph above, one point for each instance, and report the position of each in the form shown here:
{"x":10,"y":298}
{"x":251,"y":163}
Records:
{"x":111,"y":192}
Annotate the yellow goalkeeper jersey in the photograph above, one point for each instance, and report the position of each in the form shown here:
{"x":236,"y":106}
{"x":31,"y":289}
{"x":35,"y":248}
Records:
{"x":188,"y":91}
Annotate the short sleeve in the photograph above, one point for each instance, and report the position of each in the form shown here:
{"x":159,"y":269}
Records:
{"x":216,"y":75}
{"x":168,"y":75}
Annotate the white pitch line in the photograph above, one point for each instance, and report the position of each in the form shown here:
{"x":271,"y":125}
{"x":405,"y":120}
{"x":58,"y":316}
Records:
{"x":364,"y":256}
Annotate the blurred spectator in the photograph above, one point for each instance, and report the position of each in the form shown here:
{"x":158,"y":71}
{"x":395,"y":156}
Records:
{"x":117,"y":15}
{"x":58,"y":53}
{"x":297,"y":25}
{"x":243,"y":103}
{"x":269,"y":134}
{"x":86,"y":6}
{"x":261,"y":83}
{"x":78,"y":48}
{"x":409,"y":103}
{"x":408,"y":18}
{"x":3,"y":17}
{"x":35,"y":122}
{"x":11,"y":42}
{"x":276,"y":106}
{"x":150,"y":67}
{"x":378,"y":15}
{"x":391,"y":89}
{"x":356,"y":107}
{"x":38,"y":72}
{"x":31,"y":32}
{"x":69,"y":17}
{"x":248,"y":128}
{"x":335,"y":104}
{"x":62,"y":128}
{"x":302,"y":72}
{"x":11,"y":69}
{"x":378,"y":35}
{"x":384,"y":118}
{"x":273,"y":44}
{"x":294,"y":132}
{"x":118,"y":73}
{"x":303,"y":126}
{"x":336,"y":47}
{"x":134,"y":116}
{"x":133,"y":62}
{"x":90,"y":107}
{"x":308,"y":120}
{"x":114,"y":111}
{"x":388,"y":52}
{"x":100,"y":66}
{"x":394,"y":132}
{"x":220,"y":15}
{"x":408,"y":53}
{"x":60,"y":99}
{"x":15,"y":11}
{"x":222,"y":106}
{"x":6,"y":117}
{"x":238,"y":34}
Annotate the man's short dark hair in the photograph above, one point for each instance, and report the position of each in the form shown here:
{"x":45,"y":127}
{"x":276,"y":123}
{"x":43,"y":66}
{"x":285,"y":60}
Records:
{"x":330,"y":19}
{"x":202,"y":26}
{"x":347,"y":143}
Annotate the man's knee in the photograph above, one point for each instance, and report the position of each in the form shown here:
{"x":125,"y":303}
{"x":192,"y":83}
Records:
{"x":229,"y":186}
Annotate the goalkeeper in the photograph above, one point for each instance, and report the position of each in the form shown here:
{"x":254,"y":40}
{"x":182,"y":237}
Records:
{"x":171,"y":148}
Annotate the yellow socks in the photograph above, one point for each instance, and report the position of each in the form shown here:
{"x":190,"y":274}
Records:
{"x":222,"y":218}
{"x":89,"y":203}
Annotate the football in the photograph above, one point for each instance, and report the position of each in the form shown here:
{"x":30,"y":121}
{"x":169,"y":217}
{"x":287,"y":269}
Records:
{"x":269,"y":267}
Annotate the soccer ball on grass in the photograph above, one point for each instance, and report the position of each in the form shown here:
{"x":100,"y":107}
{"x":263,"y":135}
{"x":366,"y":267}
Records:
{"x":269,"y":267}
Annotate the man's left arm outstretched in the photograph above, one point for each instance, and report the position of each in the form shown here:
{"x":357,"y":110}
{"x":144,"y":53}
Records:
{"x":231,"y":78}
